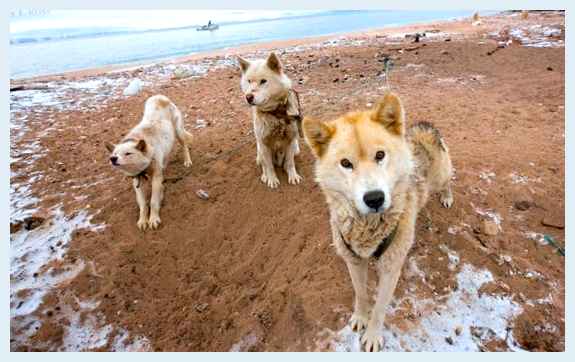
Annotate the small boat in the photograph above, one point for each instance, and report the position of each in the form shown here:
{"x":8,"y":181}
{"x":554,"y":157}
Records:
{"x":209,"y":27}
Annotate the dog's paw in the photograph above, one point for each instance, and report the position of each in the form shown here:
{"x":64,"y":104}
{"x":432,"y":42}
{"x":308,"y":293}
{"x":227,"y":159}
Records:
{"x":371,"y":341}
{"x":271,"y":180}
{"x":188,"y":163}
{"x":358,"y":322}
{"x":294,"y":178}
{"x":446,"y":199}
{"x":142,"y":224}
{"x":154,"y":222}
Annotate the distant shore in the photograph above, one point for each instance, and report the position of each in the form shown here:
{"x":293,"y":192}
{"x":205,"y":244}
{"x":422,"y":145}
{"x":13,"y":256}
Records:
{"x":458,"y":26}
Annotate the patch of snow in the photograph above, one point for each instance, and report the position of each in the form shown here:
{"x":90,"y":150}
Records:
{"x":122,"y":343}
{"x":479,"y":318}
{"x":134,"y":88}
{"x":31,"y":254}
{"x":245,"y":343}
{"x":537,"y":36}
{"x":538,"y":237}
{"x":518,"y":179}
{"x":488,"y":176}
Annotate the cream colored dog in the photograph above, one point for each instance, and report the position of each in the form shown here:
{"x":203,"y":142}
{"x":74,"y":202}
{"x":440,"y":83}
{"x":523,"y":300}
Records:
{"x":145,"y":151}
{"x":376,"y":176}
{"x":275,"y":113}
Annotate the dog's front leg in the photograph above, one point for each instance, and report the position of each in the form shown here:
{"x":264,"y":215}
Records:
{"x":141,"y":199}
{"x":289,"y":163}
{"x":358,"y":273}
{"x":156,"y":200}
{"x":268,"y":172}
{"x":389,"y":269}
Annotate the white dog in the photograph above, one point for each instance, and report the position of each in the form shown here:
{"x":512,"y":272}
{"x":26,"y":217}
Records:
{"x":276,"y":116}
{"x":145,"y":151}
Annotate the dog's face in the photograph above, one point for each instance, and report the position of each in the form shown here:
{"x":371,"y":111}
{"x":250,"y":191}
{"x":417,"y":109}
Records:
{"x":263,"y":82}
{"x":129,"y":156}
{"x":361,"y":156}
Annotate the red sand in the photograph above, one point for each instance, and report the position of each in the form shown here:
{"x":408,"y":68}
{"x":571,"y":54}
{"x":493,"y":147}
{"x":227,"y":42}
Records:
{"x":255,"y":261}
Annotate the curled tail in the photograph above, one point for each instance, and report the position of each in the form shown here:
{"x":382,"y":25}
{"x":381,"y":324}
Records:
{"x":425,"y":134}
{"x":183,"y":135}
{"x":434,"y":160}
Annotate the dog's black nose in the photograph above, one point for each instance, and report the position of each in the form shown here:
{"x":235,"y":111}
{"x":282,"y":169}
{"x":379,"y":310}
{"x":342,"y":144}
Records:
{"x":374,"y":199}
{"x":250,"y":98}
{"x":114,"y":160}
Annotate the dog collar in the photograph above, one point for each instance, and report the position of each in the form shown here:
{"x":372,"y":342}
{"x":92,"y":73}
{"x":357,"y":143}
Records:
{"x":281,"y":112}
{"x":381,"y":247}
{"x":143,"y":174}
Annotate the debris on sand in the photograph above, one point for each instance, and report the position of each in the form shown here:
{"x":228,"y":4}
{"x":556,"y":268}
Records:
{"x":202,"y":194}
{"x":28,"y":223}
{"x":489,"y":227}
{"x":522,"y":205}
{"x":200,"y":123}
{"x":553,"y":222}
{"x":549,"y":239}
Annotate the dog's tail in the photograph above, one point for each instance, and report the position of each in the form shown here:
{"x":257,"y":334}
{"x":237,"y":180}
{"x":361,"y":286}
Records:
{"x":425,"y":134}
{"x":435,"y":157}
{"x":183,"y":135}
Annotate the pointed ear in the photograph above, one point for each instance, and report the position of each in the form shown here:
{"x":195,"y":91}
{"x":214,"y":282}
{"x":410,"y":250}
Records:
{"x":141,"y":146}
{"x":244,"y":64}
{"x":389,"y":112}
{"x":274,"y":63}
{"x":317,"y":135}
{"x":110,"y":146}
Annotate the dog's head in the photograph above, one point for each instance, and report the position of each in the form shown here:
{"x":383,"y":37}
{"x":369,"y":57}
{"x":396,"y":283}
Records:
{"x":263,"y":81}
{"x":129,"y":156}
{"x":361,"y":156}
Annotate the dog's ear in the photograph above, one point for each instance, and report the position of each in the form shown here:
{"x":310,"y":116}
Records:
{"x":317,"y":135}
{"x":389,"y":112}
{"x":110,"y":146}
{"x":274,"y":63}
{"x":141,"y":146}
{"x":244,"y":64}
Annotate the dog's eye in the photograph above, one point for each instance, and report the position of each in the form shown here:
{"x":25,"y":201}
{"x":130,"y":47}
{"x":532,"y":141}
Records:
{"x":263,"y":81}
{"x":346,"y":164}
{"x":380,"y":155}
{"x":127,"y":153}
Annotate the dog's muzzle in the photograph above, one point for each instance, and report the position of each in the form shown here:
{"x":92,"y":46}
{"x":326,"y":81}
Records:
{"x":114,"y":160}
{"x":250,"y":98}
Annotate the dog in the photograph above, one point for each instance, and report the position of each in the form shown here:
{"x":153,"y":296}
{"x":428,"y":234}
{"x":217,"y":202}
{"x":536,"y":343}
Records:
{"x":145,"y":151}
{"x":276,"y":117}
{"x":376,"y":175}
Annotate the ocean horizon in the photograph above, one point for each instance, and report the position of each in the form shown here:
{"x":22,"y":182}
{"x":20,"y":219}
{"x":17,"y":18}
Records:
{"x":51,"y":42}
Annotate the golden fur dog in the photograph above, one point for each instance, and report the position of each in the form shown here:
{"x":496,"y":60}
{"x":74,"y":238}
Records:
{"x":376,"y":175}
{"x":275,"y":110}
{"x":146,"y":150}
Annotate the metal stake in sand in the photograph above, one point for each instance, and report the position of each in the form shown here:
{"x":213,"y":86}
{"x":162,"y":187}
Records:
{"x":387,"y":65}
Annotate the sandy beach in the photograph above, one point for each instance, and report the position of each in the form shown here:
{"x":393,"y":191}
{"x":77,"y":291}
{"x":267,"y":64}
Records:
{"x":237,"y":273}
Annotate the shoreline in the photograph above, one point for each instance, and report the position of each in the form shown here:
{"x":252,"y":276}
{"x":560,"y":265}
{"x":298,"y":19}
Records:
{"x":250,"y":48}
